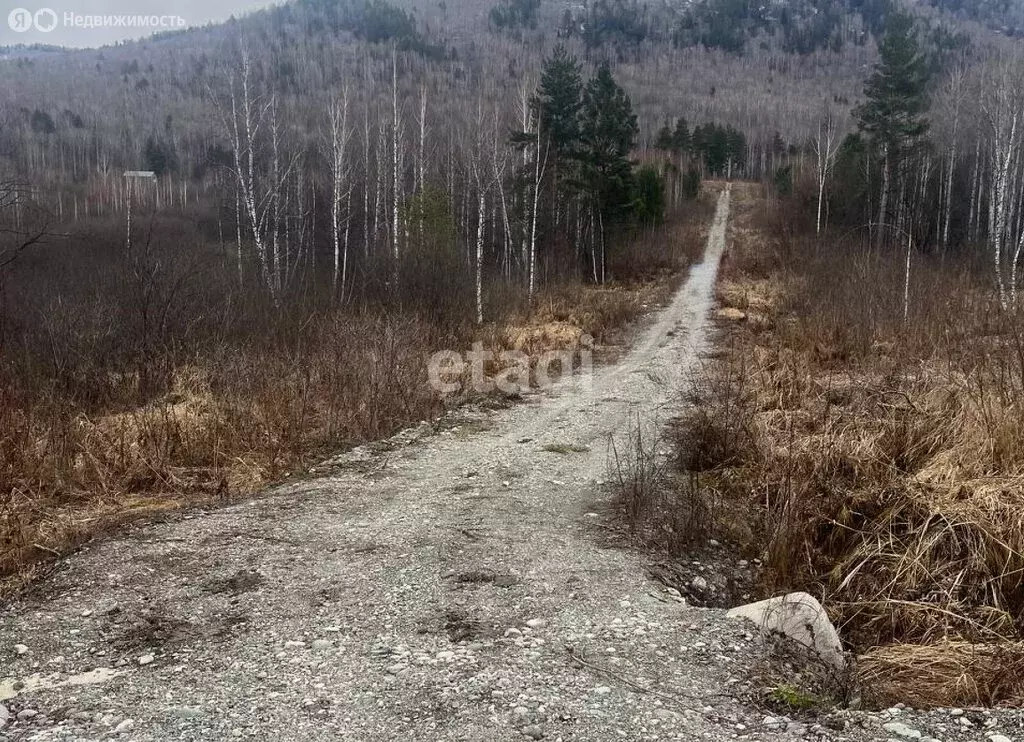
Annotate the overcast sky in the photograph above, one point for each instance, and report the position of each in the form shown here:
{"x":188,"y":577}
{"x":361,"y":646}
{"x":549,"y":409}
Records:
{"x":21,"y":20}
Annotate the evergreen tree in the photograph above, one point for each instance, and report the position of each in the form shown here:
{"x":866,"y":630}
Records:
{"x":893,"y":116}
{"x":159,"y":156}
{"x":665,"y":139}
{"x":557,"y":103}
{"x":608,"y":131}
{"x":681,"y":136}
{"x":648,"y":197}
{"x":735,"y":148}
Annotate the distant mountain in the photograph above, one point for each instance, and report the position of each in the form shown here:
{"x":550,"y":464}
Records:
{"x":70,"y":117}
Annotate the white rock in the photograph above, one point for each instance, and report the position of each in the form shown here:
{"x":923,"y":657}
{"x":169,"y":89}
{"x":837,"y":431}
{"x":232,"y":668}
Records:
{"x":796,"y":729}
{"x":800,"y":617}
{"x":125,"y":726}
{"x":998,"y":738}
{"x":901,"y":730}
{"x":513,"y":633}
{"x":21,"y":649}
{"x":5,"y":716}
{"x":295,"y":644}
{"x":699,"y":584}
{"x":146,"y":659}
{"x":536,"y":623}
{"x":602,"y":690}
{"x":26,"y":714}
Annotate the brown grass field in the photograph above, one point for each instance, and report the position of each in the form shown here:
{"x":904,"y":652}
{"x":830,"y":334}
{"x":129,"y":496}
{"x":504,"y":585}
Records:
{"x":251,"y":414}
{"x":879,"y":449}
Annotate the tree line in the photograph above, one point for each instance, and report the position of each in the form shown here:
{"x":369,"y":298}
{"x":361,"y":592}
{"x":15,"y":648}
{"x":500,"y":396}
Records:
{"x":935,"y":162}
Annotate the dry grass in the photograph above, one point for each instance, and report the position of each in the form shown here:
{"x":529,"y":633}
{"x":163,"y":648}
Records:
{"x":79,"y":454}
{"x":882,"y":460}
{"x":226,"y":429}
{"x":660,"y":511}
{"x":924,"y":676}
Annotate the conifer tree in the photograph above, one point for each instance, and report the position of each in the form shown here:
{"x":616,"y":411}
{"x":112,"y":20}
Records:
{"x":681,"y":136}
{"x":558,"y":101}
{"x":608,"y":131}
{"x":665,"y":140}
{"x":893,"y":115}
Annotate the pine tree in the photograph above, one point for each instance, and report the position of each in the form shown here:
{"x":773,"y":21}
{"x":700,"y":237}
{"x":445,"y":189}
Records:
{"x":681,"y":136}
{"x":608,"y":131}
{"x":557,"y":103}
{"x":665,"y":140}
{"x":893,"y":115}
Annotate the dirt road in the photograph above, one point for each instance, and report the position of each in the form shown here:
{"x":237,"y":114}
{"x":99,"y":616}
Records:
{"x":452,"y":588}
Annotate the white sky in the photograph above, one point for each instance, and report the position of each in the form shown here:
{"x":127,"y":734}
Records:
{"x":194,"y":12}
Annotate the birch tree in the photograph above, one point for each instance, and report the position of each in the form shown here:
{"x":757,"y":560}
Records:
{"x":826,"y":147}
{"x":341,"y":189}
{"x":1001,"y":109}
{"x":954,"y":93}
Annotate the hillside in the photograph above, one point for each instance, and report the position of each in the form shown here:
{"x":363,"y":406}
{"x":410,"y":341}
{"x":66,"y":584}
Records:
{"x":763,"y":70}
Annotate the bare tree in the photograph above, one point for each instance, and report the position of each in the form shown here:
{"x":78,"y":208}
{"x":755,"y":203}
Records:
{"x":341,"y":189}
{"x":396,"y":140}
{"x":826,"y":146}
{"x":540,"y":162}
{"x":260,"y":194}
{"x":955,"y":90}
{"x":23,"y":222}
{"x":1001,"y":108}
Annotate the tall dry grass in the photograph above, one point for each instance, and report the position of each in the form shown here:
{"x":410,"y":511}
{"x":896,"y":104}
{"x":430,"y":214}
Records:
{"x":229,"y":424}
{"x":158,"y":384}
{"x":880,"y":456}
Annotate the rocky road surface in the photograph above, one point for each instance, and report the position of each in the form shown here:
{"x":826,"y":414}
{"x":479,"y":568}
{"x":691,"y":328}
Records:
{"x":449,"y":586}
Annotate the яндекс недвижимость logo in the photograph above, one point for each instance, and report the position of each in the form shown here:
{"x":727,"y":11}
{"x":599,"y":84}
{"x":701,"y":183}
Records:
{"x":21,"y":20}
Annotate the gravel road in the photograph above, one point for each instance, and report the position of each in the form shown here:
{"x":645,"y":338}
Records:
{"x":450,"y":586}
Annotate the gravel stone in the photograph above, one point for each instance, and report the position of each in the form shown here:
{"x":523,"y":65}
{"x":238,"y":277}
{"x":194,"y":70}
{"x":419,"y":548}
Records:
{"x":125,"y":726}
{"x":901,"y":730}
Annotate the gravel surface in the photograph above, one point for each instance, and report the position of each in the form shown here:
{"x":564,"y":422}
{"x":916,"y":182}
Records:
{"x":447,"y":586}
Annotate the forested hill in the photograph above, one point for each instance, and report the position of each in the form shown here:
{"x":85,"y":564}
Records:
{"x":766,"y":69}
